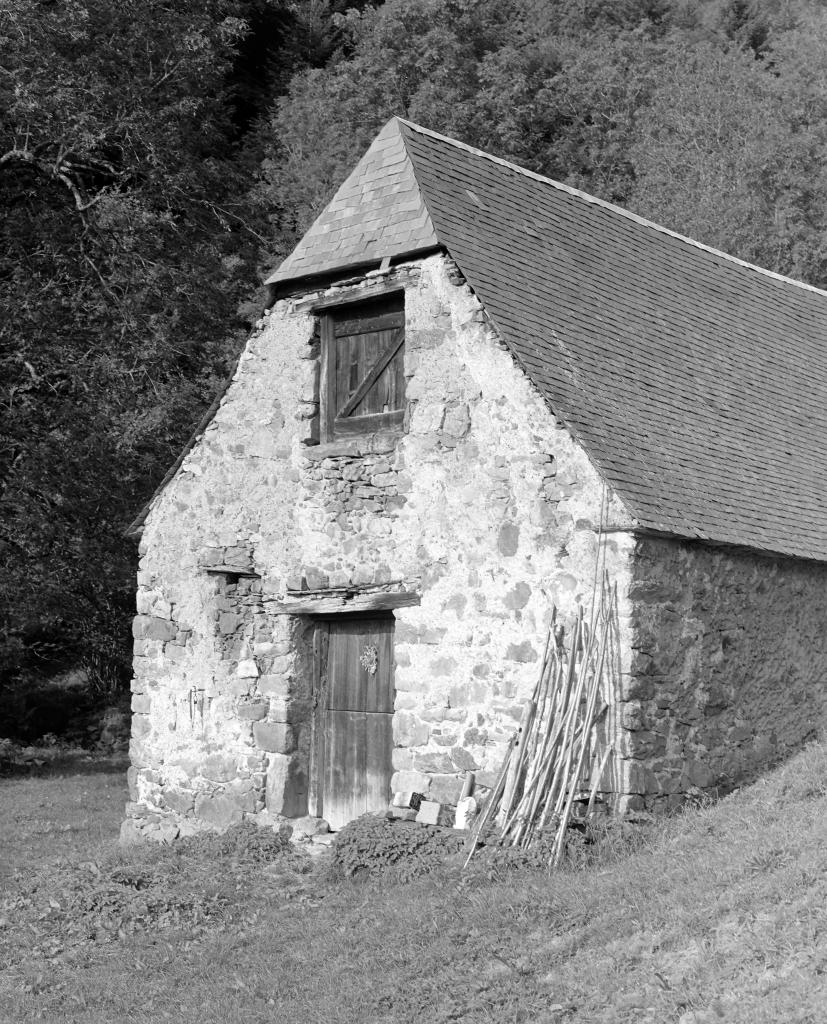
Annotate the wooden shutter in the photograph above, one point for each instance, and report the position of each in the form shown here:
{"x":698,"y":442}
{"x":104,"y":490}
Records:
{"x":354,"y":737}
{"x":363,"y":368}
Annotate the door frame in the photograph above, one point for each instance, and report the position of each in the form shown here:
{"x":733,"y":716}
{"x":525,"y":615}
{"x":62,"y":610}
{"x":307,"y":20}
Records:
{"x":318,"y":716}
{"x":319,"y":699}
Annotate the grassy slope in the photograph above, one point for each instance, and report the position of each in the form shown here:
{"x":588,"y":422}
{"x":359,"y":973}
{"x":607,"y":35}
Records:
{"x":720,"y":917}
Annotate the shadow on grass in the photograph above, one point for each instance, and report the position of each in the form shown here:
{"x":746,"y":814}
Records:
{"x":44,"y":764}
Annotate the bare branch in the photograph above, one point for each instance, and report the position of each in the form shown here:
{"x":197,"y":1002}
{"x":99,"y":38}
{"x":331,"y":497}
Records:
{"x":165,"y":76}
{"x":54,"y":169}
{"x":216,"y":210}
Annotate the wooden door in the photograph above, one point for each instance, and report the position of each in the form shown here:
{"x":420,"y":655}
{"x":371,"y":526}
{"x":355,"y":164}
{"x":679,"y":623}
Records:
{"x":353,"y":718}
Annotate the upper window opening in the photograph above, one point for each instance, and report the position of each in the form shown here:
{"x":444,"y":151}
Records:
{"x":363,"y":380}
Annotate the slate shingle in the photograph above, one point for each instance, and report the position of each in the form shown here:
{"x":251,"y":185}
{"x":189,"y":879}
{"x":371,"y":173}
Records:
{"x":377,"y":212}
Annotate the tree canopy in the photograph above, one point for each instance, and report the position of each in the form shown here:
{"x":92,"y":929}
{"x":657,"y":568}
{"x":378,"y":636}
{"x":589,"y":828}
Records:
{"x":156,"y":159}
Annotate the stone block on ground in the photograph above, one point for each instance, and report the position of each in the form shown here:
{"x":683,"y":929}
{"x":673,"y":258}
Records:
{"x":407,"y":799}
{"x":465,"y":813}
{"x":309,"y":826}
{"x":164,"y":832}
{"x":428,"y":813}
{"x":131,"y":833}
{"x":264,"y":819}
{"x":402,"y":813}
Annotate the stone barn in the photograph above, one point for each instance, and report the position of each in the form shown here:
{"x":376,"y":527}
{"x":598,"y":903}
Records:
{"x":470,"y":384}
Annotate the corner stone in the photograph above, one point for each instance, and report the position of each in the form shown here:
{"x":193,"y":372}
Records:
{"x":286,"y":788}
{"x":253,"y":711}
{"x":274,"y":737}
{"x":131,"y":834}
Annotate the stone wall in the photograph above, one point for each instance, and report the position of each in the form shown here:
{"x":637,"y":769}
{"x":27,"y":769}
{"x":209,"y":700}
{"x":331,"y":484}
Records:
{"x":483,"y":505}
{"x":729,"y":667}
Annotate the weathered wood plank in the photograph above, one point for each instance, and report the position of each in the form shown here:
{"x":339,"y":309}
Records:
{"x":371,"y":351}
{"x":379,"y":689}
{"x":345,"y":788}
{"x":327,"y":380}
{"x":367,"y":322}
{"x":341,"y":605}
{"x":351,"y":425}
{"x":342,"y":359}
{"x":360,"y":663}
{"x":378,"y":761}
{"x":318,"y":722}
{"x":231,"y":570}
{"x":347,"y":688}
{"x":394,"y":343}
{"x":397,"y":393}
{"x":355,"y":297}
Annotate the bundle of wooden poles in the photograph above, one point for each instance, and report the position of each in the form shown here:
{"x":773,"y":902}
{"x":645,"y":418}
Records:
{"x":554,"y":758}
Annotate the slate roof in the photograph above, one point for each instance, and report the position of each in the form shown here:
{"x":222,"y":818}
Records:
{"x":378,"y":211}
{"x":696,"y":383}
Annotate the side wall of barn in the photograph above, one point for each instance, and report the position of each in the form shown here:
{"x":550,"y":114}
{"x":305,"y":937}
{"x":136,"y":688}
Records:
{"x":483,"y":507}
{"x":729,"y":667}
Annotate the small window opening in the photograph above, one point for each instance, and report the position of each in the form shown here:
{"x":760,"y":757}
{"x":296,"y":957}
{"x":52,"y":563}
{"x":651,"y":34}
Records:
{"x":363,"y":379}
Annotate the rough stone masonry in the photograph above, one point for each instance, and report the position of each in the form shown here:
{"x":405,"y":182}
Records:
{"x":486,"y":511}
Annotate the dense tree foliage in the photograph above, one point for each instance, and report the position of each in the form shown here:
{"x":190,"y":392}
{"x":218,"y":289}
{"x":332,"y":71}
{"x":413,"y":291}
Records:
{"x":127,"y":250}
{"x":156,"y":157}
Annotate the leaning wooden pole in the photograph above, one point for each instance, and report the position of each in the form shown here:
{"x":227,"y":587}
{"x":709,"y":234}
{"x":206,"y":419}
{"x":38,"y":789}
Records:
{"x":553,"y":759}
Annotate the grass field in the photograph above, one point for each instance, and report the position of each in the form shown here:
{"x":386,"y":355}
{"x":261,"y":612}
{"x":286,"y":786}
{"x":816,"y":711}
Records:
{"x":70,"y":807}
{"x":719,"y":915}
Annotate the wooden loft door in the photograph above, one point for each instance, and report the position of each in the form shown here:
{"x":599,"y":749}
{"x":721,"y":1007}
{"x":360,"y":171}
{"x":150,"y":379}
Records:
{"x":363,"y":369}
{"x":353,"y":716}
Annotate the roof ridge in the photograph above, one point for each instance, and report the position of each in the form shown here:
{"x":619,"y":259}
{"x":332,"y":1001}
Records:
{"x":595,"y":200}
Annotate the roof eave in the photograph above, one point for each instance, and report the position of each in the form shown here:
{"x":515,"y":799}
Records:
{"x":290,"y":285}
